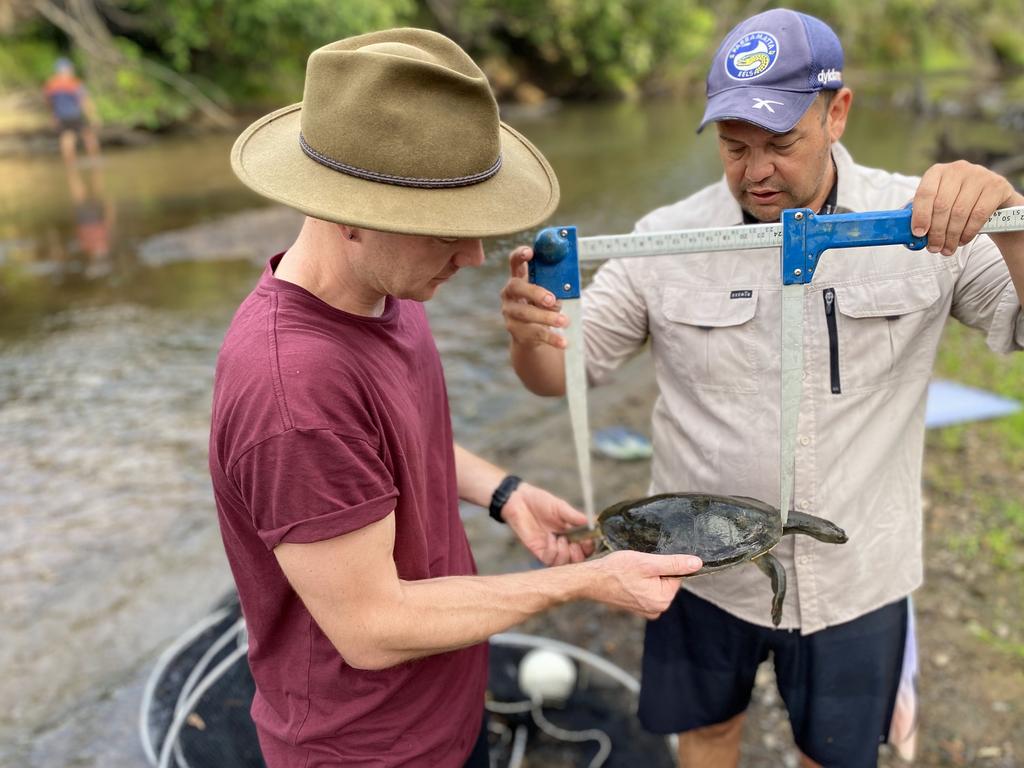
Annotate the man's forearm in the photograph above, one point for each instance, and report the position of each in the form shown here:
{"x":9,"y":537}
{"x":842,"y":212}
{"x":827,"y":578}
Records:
{"x":437,"y":615}
{"x":475,"y":477}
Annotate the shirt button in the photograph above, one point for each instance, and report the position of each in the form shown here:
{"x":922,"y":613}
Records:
{"x":805,"y":440}
{"x":804,"y":505}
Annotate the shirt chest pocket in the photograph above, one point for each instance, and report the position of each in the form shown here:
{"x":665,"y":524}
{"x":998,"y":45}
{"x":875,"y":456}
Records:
{"x":886,"y":331}
{"x":709,"y":337}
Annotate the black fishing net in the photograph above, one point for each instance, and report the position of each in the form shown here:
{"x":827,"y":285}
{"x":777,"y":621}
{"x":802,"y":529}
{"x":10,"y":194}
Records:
{"x":215,"y":730}
{"x":597,"y":703}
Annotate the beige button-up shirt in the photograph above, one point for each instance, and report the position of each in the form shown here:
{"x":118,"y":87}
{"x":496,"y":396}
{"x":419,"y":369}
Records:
{"x":714,"y":324}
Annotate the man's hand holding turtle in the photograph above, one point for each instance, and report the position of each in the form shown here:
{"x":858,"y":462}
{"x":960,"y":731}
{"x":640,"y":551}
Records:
{"x":537,"y":517}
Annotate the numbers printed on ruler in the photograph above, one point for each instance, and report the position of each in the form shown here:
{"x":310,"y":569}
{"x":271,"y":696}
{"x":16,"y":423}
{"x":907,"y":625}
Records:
{"x":1008,"y":220}
{"x":749,"y":236}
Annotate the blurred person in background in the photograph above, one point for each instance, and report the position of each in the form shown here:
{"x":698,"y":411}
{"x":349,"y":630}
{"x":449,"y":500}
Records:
{"x":73,"y":112}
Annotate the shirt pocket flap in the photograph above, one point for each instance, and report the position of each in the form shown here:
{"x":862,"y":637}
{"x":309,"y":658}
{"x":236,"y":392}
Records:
{"x":888,"y":298}
{"x":709,"y":309}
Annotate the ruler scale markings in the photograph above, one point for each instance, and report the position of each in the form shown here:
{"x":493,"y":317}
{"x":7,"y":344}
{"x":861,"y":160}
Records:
{"x":743,"y":237}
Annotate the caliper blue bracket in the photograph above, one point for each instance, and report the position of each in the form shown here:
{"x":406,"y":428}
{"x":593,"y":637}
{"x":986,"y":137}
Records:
{"x":556,"y":263}
{"x":805,"y":236}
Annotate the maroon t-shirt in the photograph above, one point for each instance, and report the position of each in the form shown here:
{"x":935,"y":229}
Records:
{"x":324,"y":422}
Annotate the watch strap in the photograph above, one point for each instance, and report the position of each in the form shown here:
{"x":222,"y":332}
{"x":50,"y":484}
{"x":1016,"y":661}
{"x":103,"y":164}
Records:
{"x":501,"y":494}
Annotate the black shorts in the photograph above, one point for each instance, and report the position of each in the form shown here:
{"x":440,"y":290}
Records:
{"x":838,"y":685}
{"x":76,"y":124}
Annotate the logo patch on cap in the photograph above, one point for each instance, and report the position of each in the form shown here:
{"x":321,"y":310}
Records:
{"x":751,"y":56}
{"x":832,"y":75}
{"x":766,"y":104}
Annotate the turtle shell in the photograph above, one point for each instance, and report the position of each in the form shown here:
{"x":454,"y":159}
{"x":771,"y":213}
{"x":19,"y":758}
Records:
{"x":721,"y":530}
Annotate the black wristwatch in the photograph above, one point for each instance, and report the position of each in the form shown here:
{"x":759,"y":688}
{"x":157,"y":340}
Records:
{"x":501,"y":494}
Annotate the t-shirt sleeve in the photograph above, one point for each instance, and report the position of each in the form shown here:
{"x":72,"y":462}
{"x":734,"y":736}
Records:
{"x":308,"y":485}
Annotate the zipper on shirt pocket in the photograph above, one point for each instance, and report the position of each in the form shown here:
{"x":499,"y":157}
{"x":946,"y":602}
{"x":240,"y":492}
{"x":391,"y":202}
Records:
{"x":829,"y":296}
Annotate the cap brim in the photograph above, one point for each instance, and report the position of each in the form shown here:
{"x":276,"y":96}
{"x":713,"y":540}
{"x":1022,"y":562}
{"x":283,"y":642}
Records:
{"x":774,"y":110}
{"x":523,"y":193}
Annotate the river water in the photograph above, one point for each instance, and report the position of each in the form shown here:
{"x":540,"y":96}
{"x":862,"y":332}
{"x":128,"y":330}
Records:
{"x":116,"y":285}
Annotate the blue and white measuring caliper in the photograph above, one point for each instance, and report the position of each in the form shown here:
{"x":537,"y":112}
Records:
{"x":803,"y":237}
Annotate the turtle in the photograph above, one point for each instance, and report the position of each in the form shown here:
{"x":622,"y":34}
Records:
{"x":723,"y":531}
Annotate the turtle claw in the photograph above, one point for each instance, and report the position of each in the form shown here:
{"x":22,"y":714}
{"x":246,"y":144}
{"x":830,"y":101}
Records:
{"x":774,"y":570}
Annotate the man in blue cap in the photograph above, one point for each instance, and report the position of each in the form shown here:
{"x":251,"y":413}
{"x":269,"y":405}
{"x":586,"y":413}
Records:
{"x":873,"y":320}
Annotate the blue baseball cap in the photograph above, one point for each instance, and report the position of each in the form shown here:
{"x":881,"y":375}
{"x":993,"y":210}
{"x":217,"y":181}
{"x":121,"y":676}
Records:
{"x":769,"y":69}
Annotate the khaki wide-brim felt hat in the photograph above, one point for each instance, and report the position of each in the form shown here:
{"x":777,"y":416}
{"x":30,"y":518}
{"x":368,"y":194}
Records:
{"x":398,"y":131}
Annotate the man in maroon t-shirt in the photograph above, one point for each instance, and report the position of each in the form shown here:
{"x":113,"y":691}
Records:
{"x":335,"y":474}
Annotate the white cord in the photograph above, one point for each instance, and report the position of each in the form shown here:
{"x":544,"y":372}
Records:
{"x":515,"y":760}
{"x":162,"y":662}
{"x":592,"y":734}
{"x":508,"y":707}
{"x":181,"y":716}
{"x":197,"y":672}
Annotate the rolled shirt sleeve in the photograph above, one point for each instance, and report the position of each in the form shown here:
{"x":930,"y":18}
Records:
{"x":306,"y":485}
{"x":985,"y":298}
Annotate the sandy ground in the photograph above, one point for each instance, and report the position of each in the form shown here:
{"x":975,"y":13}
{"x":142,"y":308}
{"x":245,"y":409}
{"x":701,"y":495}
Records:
{"x":972,"y":670}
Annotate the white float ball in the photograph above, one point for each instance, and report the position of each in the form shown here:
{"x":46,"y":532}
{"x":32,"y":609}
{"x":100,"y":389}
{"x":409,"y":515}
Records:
{"x":547,"y":676}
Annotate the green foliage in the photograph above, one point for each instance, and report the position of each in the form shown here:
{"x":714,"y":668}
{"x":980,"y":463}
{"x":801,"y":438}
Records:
{"x":1004,"y":645}
{"x":253,"y":52}
{"x":917,"y":36}
{"x":257,"y":49}
{"x":128,"y":96}
{"x":965,"y":357}
{"x":996,"y":529}
{"x":26,"y":63}
{"x":588,"y":47}
{"x":995,"y":532}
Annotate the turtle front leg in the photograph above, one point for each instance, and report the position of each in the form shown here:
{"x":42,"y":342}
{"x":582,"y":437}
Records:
{"x":773,"y":568}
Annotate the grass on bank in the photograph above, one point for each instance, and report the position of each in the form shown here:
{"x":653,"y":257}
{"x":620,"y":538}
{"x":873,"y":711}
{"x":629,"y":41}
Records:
{"x":974,"y":469}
